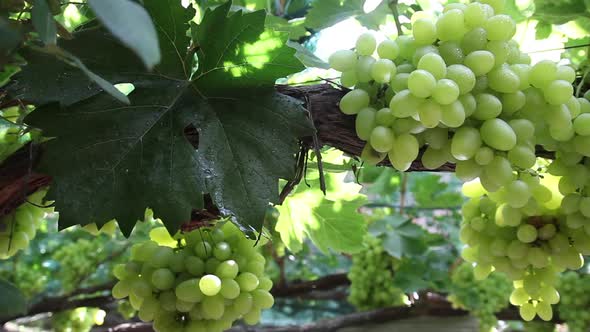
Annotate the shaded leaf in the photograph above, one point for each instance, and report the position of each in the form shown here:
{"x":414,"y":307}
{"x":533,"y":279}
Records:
{"x":307,"y":57}
{"x":393,"y":244}
{"x":130,"y":22}
{"x":117,"y":160}
{"x":559,"y":12}
{"x":9,"y":36}
{"x":43,"y":22}
{"x":543,"y":30}
{"x":325,"y":13}
{"x":12,"y":301}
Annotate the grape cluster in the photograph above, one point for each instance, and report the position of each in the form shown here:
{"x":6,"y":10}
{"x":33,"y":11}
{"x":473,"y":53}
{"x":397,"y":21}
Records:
{"x":79,"y":258}
{"x":371,"y":277}
{"x":482,"y":298}
{"x":19,"y":227}
{"x":531,"y":244}
{"x":461,"y":91}
{"x":575,"y":299}
{"x":77,"y":320}
{"x":212,"y":278}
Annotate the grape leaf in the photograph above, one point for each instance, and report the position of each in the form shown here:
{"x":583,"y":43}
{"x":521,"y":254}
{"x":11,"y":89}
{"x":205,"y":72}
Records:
{"x":543,"y":30}
{"x":12,"y":301}
{"x":560,"y":11}
{"x":131,"y":23}
{"x":331,"y":221}
{"x":43,"y":22}
{"x":325,"y":13}
{"x":112,"y":161}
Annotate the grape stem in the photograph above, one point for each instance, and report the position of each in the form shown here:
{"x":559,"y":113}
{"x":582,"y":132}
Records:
{"x":398,"y":25}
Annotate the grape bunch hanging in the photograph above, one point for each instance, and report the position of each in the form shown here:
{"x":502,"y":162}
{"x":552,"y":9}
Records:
{"x":214,"y":277}
{"x":459,"y":90}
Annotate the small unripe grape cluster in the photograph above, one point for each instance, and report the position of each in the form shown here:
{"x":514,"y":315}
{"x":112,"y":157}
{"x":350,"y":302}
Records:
{"x":482,"y":298}
{"x":371,"y":278}
{"x":214,"y":277}
{"x":18,"y":228}
{"x":531,"y":244}
{"x":575,"y":299}
{"x":77,"y":320}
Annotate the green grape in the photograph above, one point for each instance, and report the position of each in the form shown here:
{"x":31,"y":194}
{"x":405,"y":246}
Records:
{"x":434,"y":64}
{"x":498,"y":134}
{"x":527,"y":311}
{"x":526,"y":233}
{"x":517,"y":193}
{"x":475,"y":15}
{"x":384,"y":117}
{"x":558,"y":92}
{"x":453,"y":115}
{"x":213,"y":307}
{"x":424,"y":31}
{"x":194,"y":265}
{"x":450,"y":26}
{"x":405,"y":104}
{"x":222,"y":251}
{"x":406,"y":147}
{"x":243,"y":303}
{"x":480,"y":62}
{"x":121,"y":289}
{"x":484,"y":155}
{"x":469,"y":104}
{"x":262,"y":299}
{"x":163,"y":279}
{"x":366,"y":44}
{"x":566,"y":73}
{"x":247,"y":281}
{"x":500,"y":27}
{"x":382,"y":139}
{"x":229,"y":289}
{"x":451,"y":52}
{"x":343,"y":60}
{"x":500,"y":50}
{"x":433,"y":158}
{"x":382,"y":70}
{"x":421,"y":83}
{"x":522,"y":156}
{"x":544,"y":311}
{"x":465,"y":143}
{"x":488,"y":106}
{"x":543,"y":73}
{"x":445,"y":92}
{"x":463,"y":76}
{"x":370,"y":156}
{"x":351,"y":103}
{"x":504,"y":80}
{"x":475,"y":39}
{"x":400,"y":82}
{"x":210,"y":285}
{"x":430,"y":113}
{"x":388,"y":49}
{"x":349,"y":78}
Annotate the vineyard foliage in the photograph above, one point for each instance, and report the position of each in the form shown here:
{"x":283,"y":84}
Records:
{"x":158,"y":120}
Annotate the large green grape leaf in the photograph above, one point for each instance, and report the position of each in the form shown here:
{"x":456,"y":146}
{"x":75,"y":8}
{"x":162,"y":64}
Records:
{"x":331,"y":221}
{"x":559,"y":11}
{"x":110,"y":160}
{"x":325,"y":13}
{"x":12,"y":301}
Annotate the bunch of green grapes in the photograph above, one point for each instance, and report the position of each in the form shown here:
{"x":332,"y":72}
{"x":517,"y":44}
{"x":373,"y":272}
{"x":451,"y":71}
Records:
{"x":531,"y":244}
{"x":371,"y":278}
{"x":575,"y":300}
{"x":483,"y":298}
{"x":77,"y":320}
{"x":460,"y":90}
{"x":77,"y":260}
{"x":19,"y":227}
{"x":212,"y":277}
